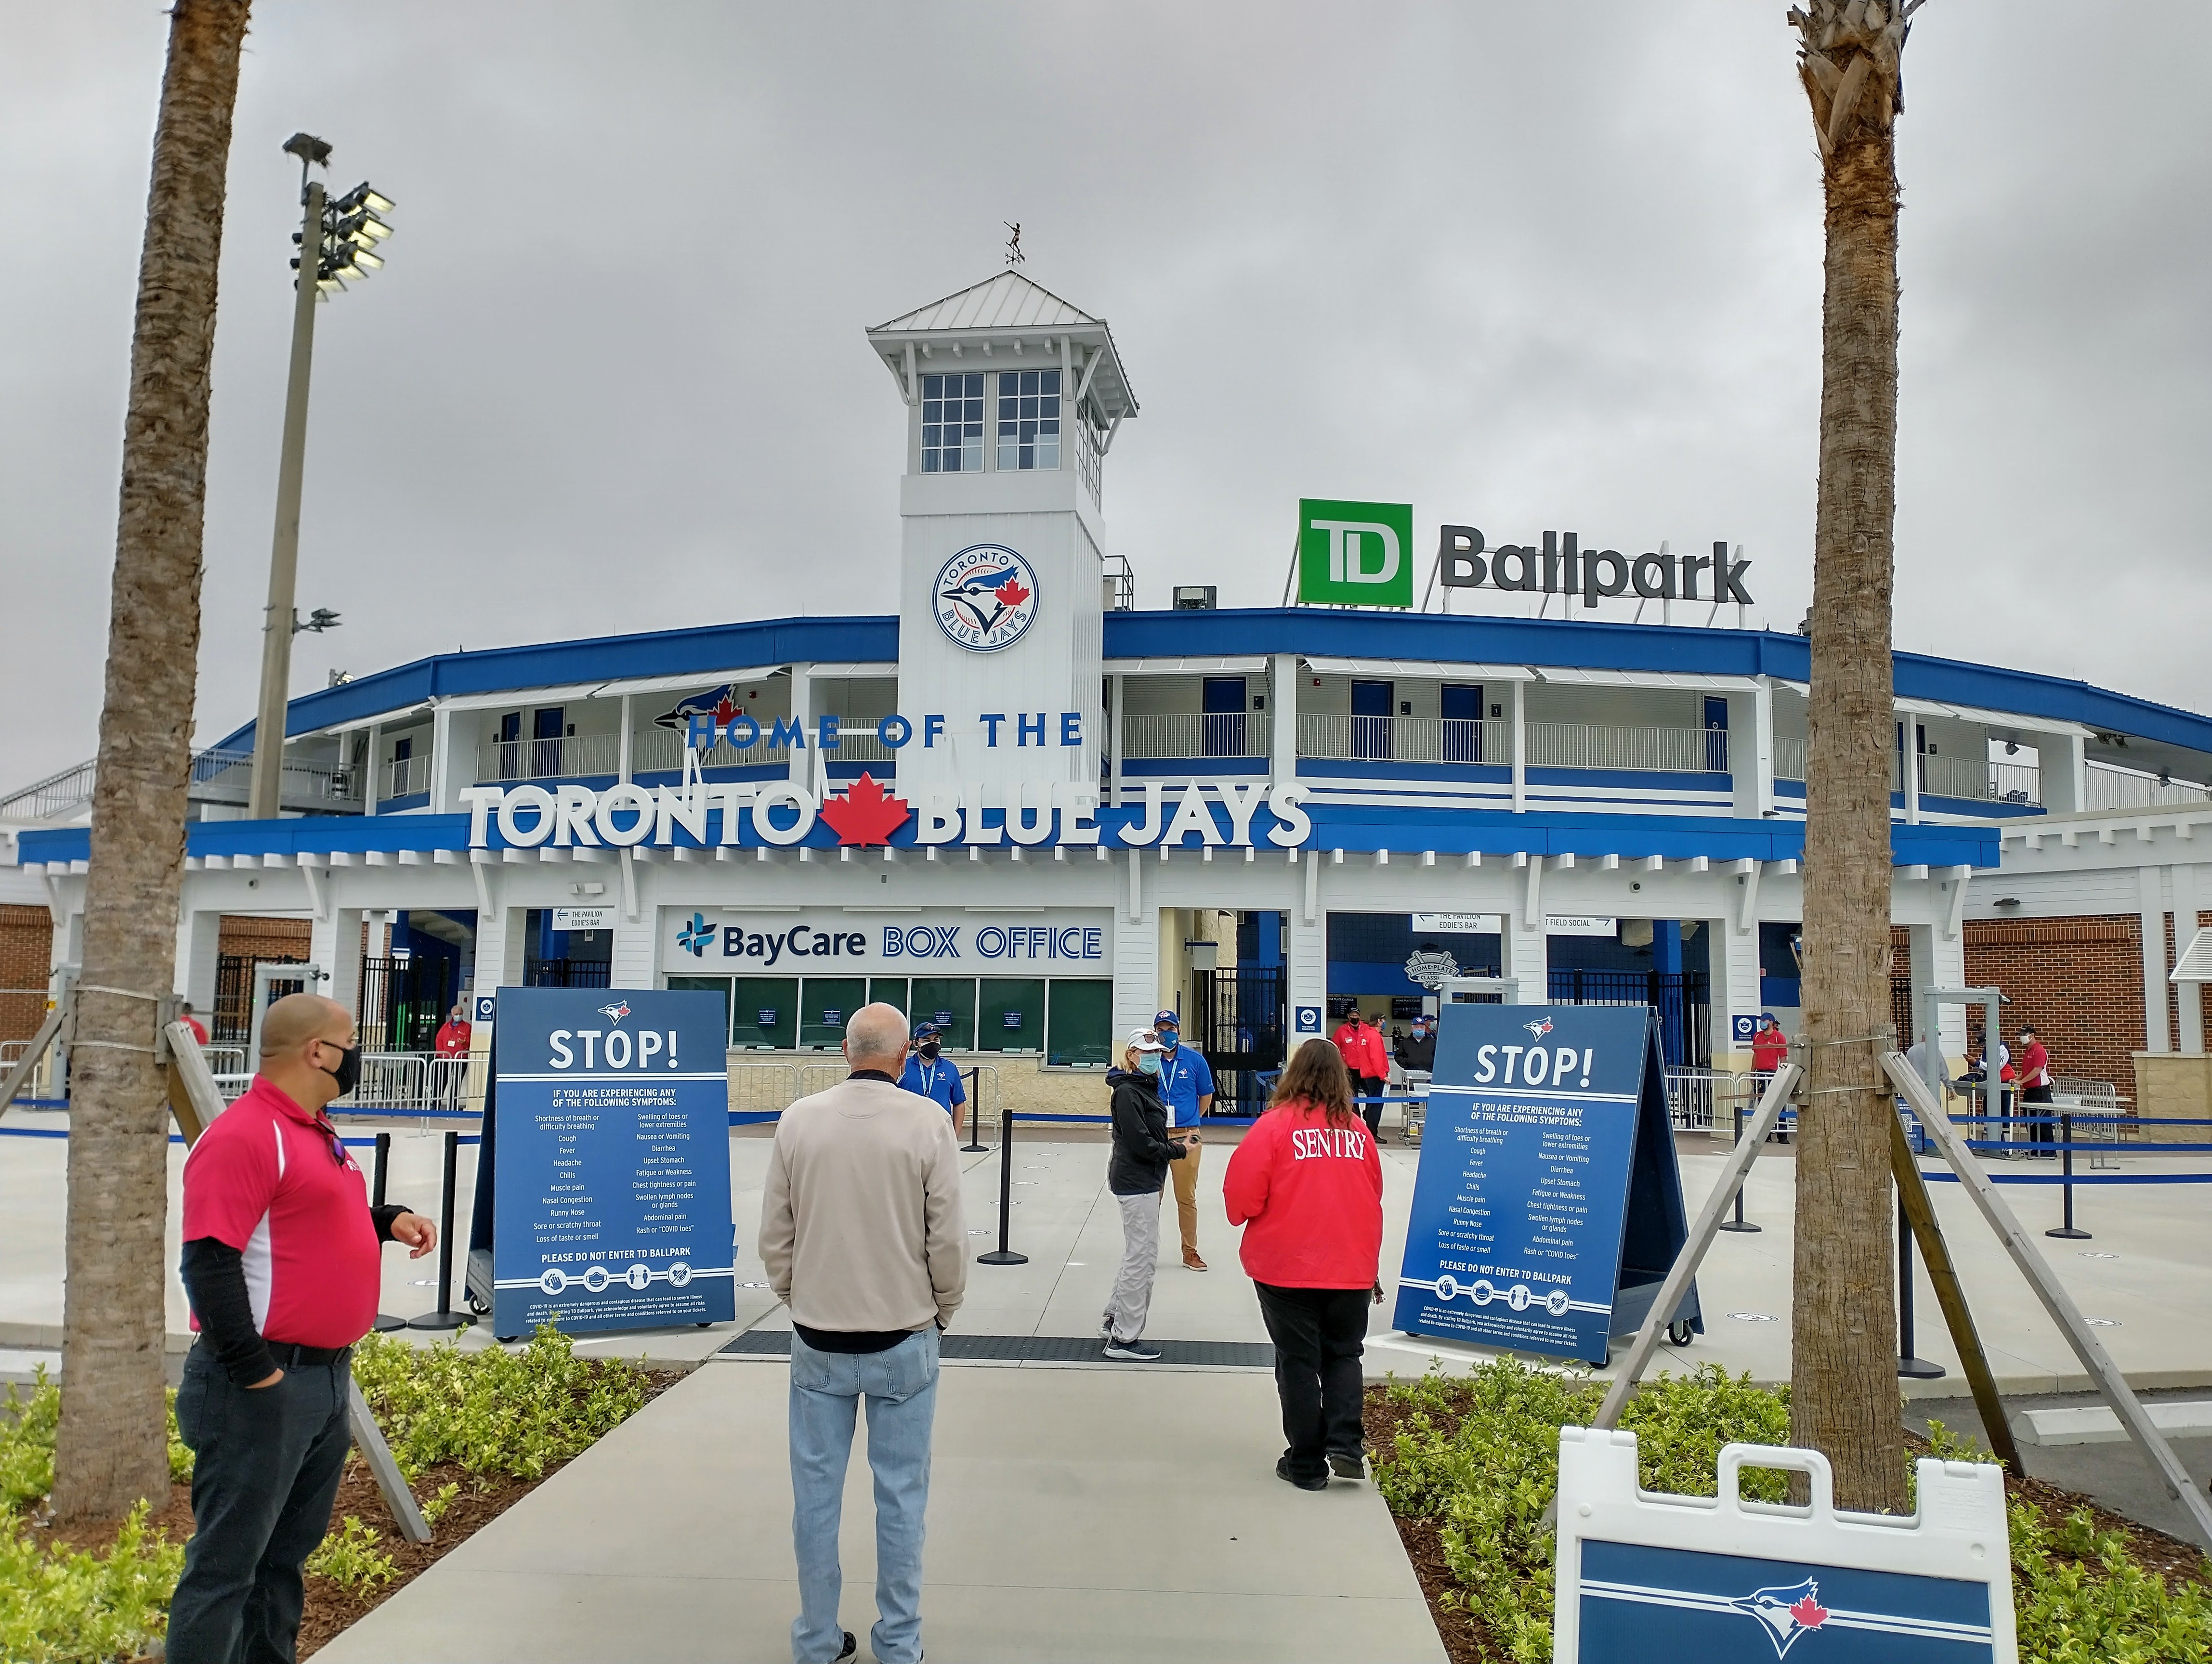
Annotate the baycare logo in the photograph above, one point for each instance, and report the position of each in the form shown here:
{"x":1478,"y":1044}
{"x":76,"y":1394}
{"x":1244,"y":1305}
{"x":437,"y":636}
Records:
{"x":985,"y":598}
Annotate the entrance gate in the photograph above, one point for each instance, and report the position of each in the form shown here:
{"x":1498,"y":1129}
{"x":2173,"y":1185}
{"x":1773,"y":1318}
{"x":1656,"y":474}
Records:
{"x":1237,"y":1021}
{"x":403,"y":1001}
{"x":231,"y":1022}
{"x":1682,"y":999}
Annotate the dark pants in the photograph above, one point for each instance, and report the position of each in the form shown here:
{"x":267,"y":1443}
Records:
{"x":2036,"y":1100}
{"x":1367,"y":1086}
{"x":1319,"y":1334}
{"x":265,"y":1471}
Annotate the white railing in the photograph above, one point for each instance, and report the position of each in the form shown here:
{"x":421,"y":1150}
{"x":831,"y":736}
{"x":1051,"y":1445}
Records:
{"x":1704,"y":1100}
{"x":1404,"y":738}
{"x":1605,"y":745}
{"x":404,"y":777}
{"x":1963,"y":777}
{"x":1194,"y":734}
{"x":1789,"y":758}
{"x":2120,"y":788}
{"x":56,"y":794}
{"x":566,"y":758}
{"x":661,"y":752}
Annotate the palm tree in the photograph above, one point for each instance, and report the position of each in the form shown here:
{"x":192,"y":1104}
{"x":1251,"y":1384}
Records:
{"x":1843,"y":1398}
{"x":111,"y":1450}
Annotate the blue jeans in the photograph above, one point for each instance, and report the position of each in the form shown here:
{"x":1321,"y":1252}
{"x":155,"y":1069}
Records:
{"x":826,"y":1388}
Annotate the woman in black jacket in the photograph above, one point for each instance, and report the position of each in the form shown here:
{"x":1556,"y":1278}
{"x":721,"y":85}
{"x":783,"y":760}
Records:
{"x":1135,"y":1173}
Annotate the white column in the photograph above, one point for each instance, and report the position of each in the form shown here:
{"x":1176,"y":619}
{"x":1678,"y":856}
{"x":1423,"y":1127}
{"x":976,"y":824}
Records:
{"x":453,"y":756}
{"x":2191,"y":1002}
{"x":1282,"y":731}
{"x":1520,"y":749}
{"x":1305,"y":948}
{"x":2063,"y":760}
{"x":1118,"y":799}
{"x":197,"y":935}
{"x":1525,"y":951}
{"x":368,"y":789}
{"x":502,"y":950}
{"x":622,"y":747}
{"x":1732,"y":964}
{"x":637,"y":941}
{"x":802,"y":713}
{"x":1136,"y":948}
{"x":1751,"y":751}
{"x":335,"y":946}
{"x":1908,"y":764}
{"x":2157,"y":1038}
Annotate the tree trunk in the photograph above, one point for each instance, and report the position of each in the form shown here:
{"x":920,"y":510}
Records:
{"x":112,"y":1449}
{"x":1844,"y":1395}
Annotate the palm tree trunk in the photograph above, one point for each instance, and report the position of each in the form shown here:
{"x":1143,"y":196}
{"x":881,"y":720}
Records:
{"x":112,"y":1449}
{"x":1844,"y":1396}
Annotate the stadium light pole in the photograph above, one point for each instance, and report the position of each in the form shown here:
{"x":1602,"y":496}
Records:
{"x":344,"y":234}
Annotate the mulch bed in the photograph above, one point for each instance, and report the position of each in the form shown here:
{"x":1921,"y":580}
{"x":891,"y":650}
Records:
{"x":331,"y":1609}
{"x":1467,"y":1641}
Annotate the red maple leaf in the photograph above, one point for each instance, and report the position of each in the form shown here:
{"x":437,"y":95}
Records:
{"x":866,"y":814}
{"x":1011,"y":592}
{"x":1809,"y":1612}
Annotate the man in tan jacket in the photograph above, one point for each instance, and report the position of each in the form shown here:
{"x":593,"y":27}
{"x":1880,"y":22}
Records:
{"x":863,"y":1237}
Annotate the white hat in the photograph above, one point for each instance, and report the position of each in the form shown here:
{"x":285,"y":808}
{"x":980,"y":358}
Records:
{"x":1143,"y":1040}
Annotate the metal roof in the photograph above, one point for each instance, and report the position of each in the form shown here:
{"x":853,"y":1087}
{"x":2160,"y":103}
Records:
{"x":1006,"y":308}
{"x":1004,"y":300}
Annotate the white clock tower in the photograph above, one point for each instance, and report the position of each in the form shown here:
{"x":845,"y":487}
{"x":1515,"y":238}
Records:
{"x":1013,"y":397}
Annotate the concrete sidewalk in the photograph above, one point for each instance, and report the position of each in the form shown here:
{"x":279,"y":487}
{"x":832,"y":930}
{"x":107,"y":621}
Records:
{"x":1076,"y":1516}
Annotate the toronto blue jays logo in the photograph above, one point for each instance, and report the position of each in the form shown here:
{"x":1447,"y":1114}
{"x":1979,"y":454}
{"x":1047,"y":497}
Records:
{"x":719,"y":704}
{"x":696,"y":937}
{"x":986,"y":597}
{"x":616,"y":1012}
{"x":1540,"y":1028}
{"x":1787,"y":1614}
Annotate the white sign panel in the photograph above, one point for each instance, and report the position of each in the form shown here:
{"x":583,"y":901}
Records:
{"x":1703,"y":1580}
{"x":583,"y":918}
{"x":1457,"y":924}
{"x":929,"y":942}
{"x":1579,"y":924}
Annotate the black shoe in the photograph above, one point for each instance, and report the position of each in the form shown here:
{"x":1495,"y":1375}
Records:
{"x":1132,"y":1352}
{"x":1283,"y":1472}
{"x":1347,"y":1464}
{"x":852,"y":1648}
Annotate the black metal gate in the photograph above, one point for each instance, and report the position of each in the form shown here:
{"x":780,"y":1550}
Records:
{"x":1237,"y":1021}
{"x":403,"y":1001}
{"x":567,"y":974}
{"x":1682,"y":999}
{"x":231,"y":1022}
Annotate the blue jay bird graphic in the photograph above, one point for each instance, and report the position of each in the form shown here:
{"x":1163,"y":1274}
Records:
{"x":987,"y":595}
{"x":1787,"y":1612}
{"x":616,"y":1012}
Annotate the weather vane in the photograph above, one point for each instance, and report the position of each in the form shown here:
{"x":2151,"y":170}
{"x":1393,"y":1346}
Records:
{"x":1014,"y":255}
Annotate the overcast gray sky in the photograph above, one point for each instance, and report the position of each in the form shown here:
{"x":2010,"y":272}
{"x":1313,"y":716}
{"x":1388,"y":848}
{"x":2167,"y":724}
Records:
{"x":1526,"y":266}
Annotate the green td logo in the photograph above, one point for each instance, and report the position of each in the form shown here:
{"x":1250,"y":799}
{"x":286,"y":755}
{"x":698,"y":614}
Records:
{"x":1358,"y":553}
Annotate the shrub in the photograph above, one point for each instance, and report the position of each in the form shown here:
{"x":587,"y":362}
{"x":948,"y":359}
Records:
{"x":351,"y":1559}
{"x":62,"y":1605}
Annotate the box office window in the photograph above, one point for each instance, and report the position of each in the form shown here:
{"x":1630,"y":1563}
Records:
{"x":1080,"y":1022}
{"x":764,"y":1012}
{"x":825,"y":1003}
{"x":720,"y":985}
{"x":949,"y":1002}
{"x":1010,"y":1014}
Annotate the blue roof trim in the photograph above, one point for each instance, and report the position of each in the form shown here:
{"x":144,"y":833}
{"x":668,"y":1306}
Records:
{"x":1336,"y":826}
{"x":1570,"y":643}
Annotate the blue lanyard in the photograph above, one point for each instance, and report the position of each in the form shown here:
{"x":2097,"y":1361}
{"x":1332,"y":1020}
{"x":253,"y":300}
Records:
{"x":928,"y":1073}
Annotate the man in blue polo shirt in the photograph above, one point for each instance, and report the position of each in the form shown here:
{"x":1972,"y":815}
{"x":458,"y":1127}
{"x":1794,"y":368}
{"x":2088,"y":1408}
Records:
{"x":1187,"y":1088}
{"x":931,"y":1078}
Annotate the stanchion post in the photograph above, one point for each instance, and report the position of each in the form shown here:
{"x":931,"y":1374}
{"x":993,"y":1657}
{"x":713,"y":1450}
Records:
{"x":385,"y":1323}
{"x":1003,"y":1255}
{"x":976,"y":1146}
{"x":444,"y":1317}
{"x":2066,"y":1158}
{"x":1908,"y":1367}
{"x":1739,"y":1223}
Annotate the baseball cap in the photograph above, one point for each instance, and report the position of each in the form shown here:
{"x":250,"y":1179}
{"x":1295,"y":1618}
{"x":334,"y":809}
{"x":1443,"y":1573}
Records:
{"x":925,"y":1031}
{"x":1143,"y":1040}
{"x":1166,"y":1020}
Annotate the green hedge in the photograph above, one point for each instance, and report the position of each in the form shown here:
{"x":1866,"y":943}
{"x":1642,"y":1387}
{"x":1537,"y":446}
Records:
{"x":1478,"y":1455}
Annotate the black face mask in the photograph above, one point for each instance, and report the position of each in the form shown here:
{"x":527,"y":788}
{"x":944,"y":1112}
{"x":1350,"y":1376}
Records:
{"x":928,"y":1048}
{"x":348,"y":1073}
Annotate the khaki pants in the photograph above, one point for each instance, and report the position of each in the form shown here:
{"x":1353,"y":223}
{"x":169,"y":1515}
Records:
{"x":1183,"y":1175}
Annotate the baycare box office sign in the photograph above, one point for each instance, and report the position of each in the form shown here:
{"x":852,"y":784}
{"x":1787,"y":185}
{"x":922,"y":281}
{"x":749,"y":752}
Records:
{"x":928,"y":941}
{"x":1548,"y":1207}
{"x":607,"y":1130}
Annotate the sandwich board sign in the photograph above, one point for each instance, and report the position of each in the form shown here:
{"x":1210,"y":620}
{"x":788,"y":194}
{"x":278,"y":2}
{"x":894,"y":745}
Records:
{"x":1720,"y":1580}
{"x":602,"y":1185}
{"x":1547,"y":1207}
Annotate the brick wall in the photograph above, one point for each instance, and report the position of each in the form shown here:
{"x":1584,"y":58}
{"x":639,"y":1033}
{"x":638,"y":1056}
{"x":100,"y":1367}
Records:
{"x":27,"y":943}
{"x":2078,"y":980}
{"x":263,"y":938}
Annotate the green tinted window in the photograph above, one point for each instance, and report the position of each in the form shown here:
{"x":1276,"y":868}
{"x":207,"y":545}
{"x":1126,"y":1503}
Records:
{"x":824,"y":1005}
{"x":941,"y":1000}
{"x":889,"y":990}
{"x":1011,"y":1018}
{"x":1081,"y":1022}
{"x":764,"y":1012}
{"x":706,"y":984}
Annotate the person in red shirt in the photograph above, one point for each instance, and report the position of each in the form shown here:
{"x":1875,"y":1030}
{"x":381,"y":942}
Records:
{"x":1770,"y":1046}
{"x":1306,"y":1183}
{"x":185,"y":1016}
{"x":2035,"y":1089}
{"x":281,"y":1266}
{"x":453,"y":1036}
{"x":1366,"y":1061}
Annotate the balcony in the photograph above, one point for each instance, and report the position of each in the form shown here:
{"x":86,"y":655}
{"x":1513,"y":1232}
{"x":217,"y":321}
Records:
{"x":1550,"y":745}
{"x":1939,"y":776}
{"x":1194,"y":734}
{"x":2119,"y":788}
{"x":1609,"y":745}
{"x":660,"y":752}
{"x":404,"y":777}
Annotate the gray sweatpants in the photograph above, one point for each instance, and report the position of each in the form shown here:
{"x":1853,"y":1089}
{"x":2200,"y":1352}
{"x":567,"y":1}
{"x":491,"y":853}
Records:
{"x":1140,"y":1252}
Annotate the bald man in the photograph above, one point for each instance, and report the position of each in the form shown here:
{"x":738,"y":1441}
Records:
{"x":862,"y":1236}
{"x":281,"y":1266}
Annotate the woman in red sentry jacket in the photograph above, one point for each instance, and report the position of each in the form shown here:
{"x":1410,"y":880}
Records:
{"x":1307,"y":1185}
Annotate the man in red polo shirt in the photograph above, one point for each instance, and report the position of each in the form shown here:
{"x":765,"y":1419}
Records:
{"x":281,"y":1266}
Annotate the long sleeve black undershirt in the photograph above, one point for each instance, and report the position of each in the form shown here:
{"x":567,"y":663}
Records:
{"x":214,"y":1282}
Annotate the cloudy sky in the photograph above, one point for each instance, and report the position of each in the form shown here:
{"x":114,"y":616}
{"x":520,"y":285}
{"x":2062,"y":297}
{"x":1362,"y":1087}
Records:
{"x":1528,"y":266}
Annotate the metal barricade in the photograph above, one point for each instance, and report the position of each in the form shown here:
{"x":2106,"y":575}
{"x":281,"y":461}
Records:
{"x":226,"y":1060}
{"x":2098,"y":1137}
{"x":1701,"y":1100}
{"x":757,"y":1088}
{"x":820,"y":1076}
{"x":393,"y":1080}
{"x":989,"y":1102}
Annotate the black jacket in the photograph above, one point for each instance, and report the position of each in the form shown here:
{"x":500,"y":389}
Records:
{"x":1141,"y":1151}
{"x":1413,"y":1054}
